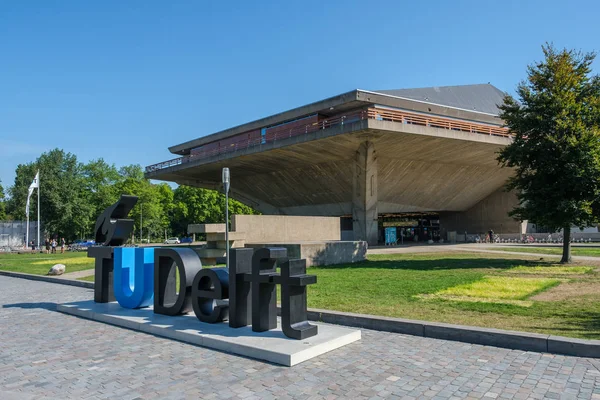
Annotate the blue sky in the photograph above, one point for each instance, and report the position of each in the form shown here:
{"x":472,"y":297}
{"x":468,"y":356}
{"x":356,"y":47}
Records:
{"x":124,"y":80}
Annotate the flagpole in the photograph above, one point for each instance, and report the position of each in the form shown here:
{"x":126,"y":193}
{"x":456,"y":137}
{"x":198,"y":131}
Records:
{"x":27,"y":230}
{"x":38,"y":210}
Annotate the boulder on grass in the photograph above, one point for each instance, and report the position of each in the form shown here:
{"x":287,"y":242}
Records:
{"x":57,"y":269}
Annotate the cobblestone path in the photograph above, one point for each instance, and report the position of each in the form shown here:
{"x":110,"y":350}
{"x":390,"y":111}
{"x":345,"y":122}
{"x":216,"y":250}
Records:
{"x":46,"y":354}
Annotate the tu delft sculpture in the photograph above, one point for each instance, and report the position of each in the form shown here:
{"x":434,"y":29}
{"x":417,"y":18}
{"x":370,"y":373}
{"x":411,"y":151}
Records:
{"x":141,"y":277}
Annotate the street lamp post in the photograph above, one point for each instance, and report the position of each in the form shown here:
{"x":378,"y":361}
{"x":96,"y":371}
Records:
{"x":226,"y":182}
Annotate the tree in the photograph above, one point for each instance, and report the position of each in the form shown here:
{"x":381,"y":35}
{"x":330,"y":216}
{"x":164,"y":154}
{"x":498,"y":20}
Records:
{"x":65,"y":210}
{"x":2,"y":205}
{"x":154,"y":201}
{"x":201,"y":206}
{"x":556,"y":148}
{"x":100,"y":180}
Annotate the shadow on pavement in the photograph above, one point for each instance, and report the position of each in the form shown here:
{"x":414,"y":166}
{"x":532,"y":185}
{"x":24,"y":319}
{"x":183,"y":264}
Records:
{"x":43,"y":305}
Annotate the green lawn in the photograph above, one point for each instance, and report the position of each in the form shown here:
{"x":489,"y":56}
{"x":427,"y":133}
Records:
{"x":39,"y":264}
{"x":463,"y":288}
{"x":551,"y":270}
{"x":497,"y":290}
{"x":576,"y":251}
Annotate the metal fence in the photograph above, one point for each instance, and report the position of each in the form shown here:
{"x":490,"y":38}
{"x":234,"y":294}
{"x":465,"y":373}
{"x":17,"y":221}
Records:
{"x":13,"y":233}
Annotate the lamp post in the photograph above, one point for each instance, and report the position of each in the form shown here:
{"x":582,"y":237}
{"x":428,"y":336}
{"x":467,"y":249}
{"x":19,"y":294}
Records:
{"x":141,"y":220}
{"x":226,"y":183}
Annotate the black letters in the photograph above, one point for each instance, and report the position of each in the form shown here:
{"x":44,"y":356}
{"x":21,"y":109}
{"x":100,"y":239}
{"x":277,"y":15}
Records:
{"x":264,"y":290}
{"x":293,"y":281}
{"x":112,"y":229}
{"x":250,"y":284}
{"x":240,"y":295}
{"x":209,"y":287}
{"x":103,"y":273}
{"x":187,"y":262}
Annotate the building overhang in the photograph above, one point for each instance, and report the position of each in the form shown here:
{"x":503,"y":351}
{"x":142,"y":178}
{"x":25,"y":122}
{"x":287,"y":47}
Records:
{"x":348,"y":101}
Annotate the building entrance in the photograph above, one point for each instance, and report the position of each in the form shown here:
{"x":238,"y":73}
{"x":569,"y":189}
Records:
{"x":411,"y":227}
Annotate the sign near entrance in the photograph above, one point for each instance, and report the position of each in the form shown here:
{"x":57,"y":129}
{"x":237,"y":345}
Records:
{"x":246,"y":294}
{"x":390,"y":236}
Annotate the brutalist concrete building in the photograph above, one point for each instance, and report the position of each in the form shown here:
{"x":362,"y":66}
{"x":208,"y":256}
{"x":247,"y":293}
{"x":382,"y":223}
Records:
{"x":422,"y":160}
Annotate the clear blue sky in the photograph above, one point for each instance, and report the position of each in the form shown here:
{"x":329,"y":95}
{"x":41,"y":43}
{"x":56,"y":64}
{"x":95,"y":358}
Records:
{"x":124,"y":80}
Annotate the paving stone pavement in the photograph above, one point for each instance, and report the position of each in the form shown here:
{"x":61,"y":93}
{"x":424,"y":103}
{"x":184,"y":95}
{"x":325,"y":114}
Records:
{"x":46,"y":354}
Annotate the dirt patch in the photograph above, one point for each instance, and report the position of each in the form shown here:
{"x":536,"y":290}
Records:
{"x":568,"y":290}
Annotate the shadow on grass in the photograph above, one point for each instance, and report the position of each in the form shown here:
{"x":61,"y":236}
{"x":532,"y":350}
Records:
{"x":582,"y":324}
{"x":440,"y":264}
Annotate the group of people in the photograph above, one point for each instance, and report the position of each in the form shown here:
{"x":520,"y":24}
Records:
{"x":51,"y":245}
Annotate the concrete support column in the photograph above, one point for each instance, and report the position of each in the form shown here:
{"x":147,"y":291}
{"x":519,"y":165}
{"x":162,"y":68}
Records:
{"x":364,"y":194}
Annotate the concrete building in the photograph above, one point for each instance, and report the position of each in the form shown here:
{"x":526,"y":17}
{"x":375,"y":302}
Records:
{"x":423,"y":160}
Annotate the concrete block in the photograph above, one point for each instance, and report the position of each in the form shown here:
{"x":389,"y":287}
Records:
{"x":222,"y":244}
{"x":211,"y":253}
{"x":76,"y":310}
{"x":206,"y":228}
{"x":214,"y":237}
{"x":286,"y":228}
{"x":487,"y":336}
{"x":322,"y":253}
{"x":272,"y":346}
{"x":378,"y":323}
{"x":574,"y":347}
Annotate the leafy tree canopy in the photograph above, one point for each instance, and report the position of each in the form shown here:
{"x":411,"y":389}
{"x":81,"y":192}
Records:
{"x":201,"y":206}
{"x":73,"y":194}
{"x":63,"y":202}
{"x":556,"y":149}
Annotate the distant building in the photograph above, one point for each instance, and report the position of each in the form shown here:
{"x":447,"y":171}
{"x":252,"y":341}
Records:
{"x":423,"y":160}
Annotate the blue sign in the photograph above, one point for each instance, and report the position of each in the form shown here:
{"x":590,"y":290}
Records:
{"x":390,"y":235}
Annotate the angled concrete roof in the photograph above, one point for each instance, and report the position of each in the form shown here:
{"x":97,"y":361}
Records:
{"x":468,"y":102}
{"x":480,"y":97}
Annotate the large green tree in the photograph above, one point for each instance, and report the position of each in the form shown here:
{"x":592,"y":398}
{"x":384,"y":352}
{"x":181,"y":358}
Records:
{"x":74,"y":194}
{"x":556,"y":149}
{"x":64,"y":207}
{"x":201,"y":206}
{"x":151,"y":213}
{"x":100,"y":182}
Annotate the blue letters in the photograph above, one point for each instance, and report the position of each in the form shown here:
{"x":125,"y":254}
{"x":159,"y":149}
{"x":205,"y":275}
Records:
{"x":134,"y":276}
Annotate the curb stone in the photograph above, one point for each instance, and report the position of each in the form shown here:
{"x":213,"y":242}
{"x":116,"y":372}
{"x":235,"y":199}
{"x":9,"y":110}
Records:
{"x":46,"y":278}
{"x":525,"y":341}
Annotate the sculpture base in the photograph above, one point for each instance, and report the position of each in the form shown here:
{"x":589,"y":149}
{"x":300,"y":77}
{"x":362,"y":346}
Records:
{"x":272,"y":346}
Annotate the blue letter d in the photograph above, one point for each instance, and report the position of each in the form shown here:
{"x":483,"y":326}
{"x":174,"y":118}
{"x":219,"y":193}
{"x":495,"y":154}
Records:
{"x":134,"y":276}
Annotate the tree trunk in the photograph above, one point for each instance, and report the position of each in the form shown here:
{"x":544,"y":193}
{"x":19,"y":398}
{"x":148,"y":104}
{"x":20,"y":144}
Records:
{"x":566,"y":256}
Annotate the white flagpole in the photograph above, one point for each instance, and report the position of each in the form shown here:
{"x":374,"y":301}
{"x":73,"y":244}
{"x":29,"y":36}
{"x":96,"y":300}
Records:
{"x":38,"y":210}
{"x":27,"y":230}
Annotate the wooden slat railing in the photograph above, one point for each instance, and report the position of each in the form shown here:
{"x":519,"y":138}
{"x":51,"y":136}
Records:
{"x":436,"y":122}
{"x":370,"y":113}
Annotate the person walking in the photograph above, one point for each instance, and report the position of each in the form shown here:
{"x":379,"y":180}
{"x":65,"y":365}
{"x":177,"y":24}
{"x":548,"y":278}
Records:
{"x":32,"y":246}
{"x":47,"y":243}
{"x":53,"y":246}
{"x":62,"y":245}
{"x":491,"y":235}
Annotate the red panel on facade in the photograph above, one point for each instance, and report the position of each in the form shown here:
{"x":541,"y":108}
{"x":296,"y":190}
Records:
{"x":292,"y":128}
{"x":246,"y":139}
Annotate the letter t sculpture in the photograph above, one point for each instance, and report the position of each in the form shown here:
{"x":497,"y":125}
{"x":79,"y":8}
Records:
{"x":293,"y":281}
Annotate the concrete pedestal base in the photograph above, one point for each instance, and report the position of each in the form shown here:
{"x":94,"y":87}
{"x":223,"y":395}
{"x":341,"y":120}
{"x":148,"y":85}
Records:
{"x":271,"y":346}
{"x":322,"y":253}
